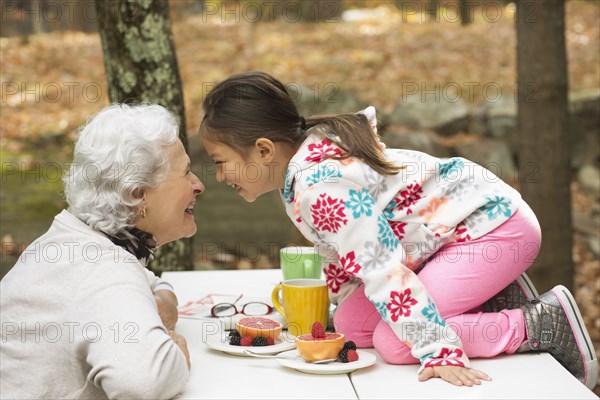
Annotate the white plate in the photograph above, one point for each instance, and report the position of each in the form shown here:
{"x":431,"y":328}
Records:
{"x":364,"y":360}
{"x":218,"y":342}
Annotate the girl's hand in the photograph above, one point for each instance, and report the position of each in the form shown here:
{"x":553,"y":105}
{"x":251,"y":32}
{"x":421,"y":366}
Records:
{"x":459,"y":376}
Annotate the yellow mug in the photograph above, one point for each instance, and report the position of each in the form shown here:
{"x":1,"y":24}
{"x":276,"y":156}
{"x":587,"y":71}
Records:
{"x":303,"y":302}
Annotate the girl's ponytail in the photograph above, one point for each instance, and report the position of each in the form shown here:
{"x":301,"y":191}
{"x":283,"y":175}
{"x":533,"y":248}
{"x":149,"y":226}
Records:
{"x":356,"y":137}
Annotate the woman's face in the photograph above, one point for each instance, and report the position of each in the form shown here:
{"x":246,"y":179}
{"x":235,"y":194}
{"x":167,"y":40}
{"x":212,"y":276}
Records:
{"x":169,"y":206}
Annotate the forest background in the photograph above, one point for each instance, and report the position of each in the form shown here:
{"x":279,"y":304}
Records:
{"x":340,"y":58}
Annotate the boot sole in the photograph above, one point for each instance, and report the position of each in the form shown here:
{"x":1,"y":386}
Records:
{"x":527,"y":287}
{"x":584,"y":342}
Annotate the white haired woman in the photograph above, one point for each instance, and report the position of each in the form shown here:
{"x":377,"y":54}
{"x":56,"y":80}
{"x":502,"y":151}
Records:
{"x":82,"y":317}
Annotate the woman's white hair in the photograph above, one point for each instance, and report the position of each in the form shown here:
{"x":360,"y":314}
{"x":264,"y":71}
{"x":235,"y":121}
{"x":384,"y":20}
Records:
{"x":119,"y":152}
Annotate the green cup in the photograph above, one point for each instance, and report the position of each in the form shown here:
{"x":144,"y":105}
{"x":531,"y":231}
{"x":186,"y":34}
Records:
{"x":299,"y":262}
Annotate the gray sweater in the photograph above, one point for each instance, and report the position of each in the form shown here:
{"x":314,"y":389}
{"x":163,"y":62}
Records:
{"x":79,"y":320}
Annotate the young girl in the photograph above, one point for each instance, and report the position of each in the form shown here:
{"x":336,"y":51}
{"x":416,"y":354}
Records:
{"x":413,"y":245}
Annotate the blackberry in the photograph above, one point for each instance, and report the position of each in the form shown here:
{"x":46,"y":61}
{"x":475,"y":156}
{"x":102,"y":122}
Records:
{"x":260,"y":341}
{"x":234,"y":340}
{"x":234,"y":333}
{"x":343,"y":355}
{"x":350,"y":345}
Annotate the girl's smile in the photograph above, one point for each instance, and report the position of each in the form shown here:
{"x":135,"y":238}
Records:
{"x":260,"y":170}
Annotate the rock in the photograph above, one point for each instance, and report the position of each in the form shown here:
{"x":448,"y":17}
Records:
{"x":499,"y":120}
{"x":492,"y":154}
{"x":244,"y":264}
{"x":8,"y":246}
{"x":420,"y":111}
{"x":594,"y":245}
{"x":585,"y":223}
{"x":584,"y":123}
{"x":589,"y":179}
{"x":263,"y":262}
{"x":327,"y":98}
{"x":397,"y":137}
{"x":502,"y":118}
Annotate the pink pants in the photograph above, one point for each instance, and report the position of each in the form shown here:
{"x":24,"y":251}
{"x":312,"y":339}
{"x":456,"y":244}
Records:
{"x":459,"y":278}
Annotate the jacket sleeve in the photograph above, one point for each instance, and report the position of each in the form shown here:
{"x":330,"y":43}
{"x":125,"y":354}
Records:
{"x":346,"y":217}
{"x":157,"y":283}
{"x":130,"y":353}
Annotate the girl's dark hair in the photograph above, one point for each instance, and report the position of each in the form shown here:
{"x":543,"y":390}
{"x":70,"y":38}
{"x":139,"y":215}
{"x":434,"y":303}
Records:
{"x":253,"y":105}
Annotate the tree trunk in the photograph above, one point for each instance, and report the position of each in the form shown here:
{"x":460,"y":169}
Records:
{"x":141,"y":66}
{"x":431,"y":9}
{"x":544,"y":163}
{"x":466,"y":11}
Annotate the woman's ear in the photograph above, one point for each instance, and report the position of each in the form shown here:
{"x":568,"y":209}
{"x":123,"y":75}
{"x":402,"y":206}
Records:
{"x":139,"y":194}
{"x":265,"y":148}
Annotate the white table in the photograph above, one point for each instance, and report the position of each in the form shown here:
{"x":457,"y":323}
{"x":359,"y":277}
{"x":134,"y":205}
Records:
{"x":219,"y":375}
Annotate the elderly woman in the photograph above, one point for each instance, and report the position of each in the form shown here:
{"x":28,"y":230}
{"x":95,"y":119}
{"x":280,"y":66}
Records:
{"x":81,"y":315}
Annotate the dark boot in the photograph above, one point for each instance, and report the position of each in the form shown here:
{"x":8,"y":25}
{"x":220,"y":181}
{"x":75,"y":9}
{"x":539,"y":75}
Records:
{"x":515,"y":295}
{"x":554,"y":324}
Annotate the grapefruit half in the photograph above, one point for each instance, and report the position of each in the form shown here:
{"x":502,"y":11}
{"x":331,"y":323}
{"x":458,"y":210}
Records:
{"x":259,"y":326}
{"x":314,"y":349}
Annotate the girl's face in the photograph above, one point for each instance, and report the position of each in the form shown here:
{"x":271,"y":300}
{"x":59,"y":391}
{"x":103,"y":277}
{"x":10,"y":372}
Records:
{"x":250,"y":176}
{"x":169,"y":206}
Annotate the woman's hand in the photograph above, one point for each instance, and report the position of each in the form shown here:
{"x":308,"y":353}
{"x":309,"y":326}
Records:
{"x":182,"y":344}
{"x":166,"y":301}
{"x":459,"y":376}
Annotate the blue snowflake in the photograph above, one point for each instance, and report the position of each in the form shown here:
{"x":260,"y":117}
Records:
{"x":454,"y":166}
{"x":432,"y":314}
{"x":360,"y":203}
{"x":385,"y":234}
{"x":389,"y":210}
{"x":496,"y":206}
{"x":325,"y":172}
{"x":381,"y":306}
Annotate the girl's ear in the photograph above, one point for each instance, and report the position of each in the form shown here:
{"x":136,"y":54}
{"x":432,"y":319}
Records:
{"x":266,"y":149}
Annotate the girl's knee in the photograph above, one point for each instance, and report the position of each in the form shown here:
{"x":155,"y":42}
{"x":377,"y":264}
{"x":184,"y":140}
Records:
{"x":390,"y":348}
{"x":396,"y":356}
{"x":358,"y":330}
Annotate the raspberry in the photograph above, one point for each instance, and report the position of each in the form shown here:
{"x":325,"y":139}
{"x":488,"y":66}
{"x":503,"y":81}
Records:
{"x":234,"y":340}
{"x":270,"y":341}
{"x":260,"y":341}
{"x":318,"y":331}
{"x":347,"y":355}
{"x":246,"y":341}
{"x":352,"y":355}
{"x":350,"y":345}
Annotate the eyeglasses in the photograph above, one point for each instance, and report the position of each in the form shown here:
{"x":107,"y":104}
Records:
{"x":254,"y":308}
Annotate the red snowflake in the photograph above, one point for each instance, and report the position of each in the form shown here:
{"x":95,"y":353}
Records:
{"x":447,"y":357}
{"x":408,"y":197}
{"x":335,"y":277}
{"x":322,"y":150}
{"x":459,"y":234}
{"x":398,"y":228}
{"x":400,"y":304}
{"x":328,"y":213}
{"x":349,"y":264}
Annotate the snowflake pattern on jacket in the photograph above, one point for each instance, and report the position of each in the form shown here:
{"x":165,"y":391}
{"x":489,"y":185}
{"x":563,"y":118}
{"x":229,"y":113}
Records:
{"x":377,"y":229}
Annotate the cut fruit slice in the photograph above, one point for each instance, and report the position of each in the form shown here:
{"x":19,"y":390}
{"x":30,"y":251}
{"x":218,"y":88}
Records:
{"x":259,"y":326}
{"x":314,"y":349}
